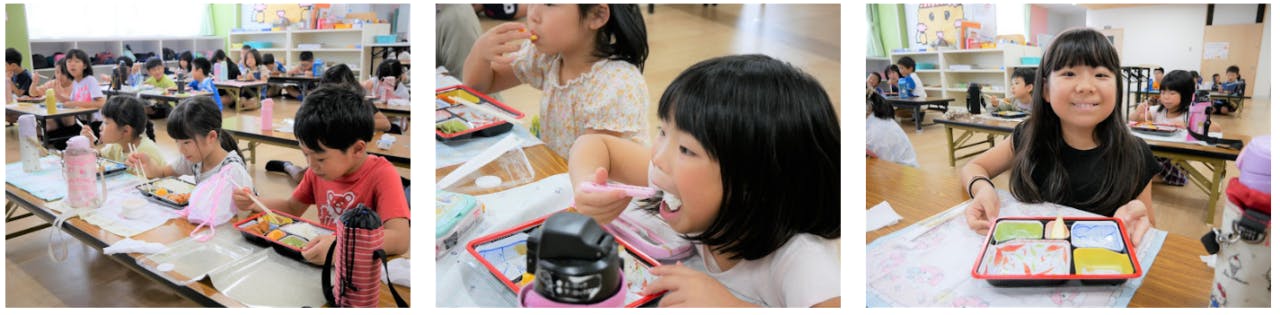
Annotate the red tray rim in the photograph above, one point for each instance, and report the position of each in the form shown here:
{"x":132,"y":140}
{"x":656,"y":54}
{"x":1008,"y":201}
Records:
{"x":1128,"y":246}
{"x":483,"y":96}
{"x":263,"y":237}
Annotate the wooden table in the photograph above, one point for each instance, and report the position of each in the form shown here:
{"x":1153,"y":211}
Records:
{"x":1177,"y":278}
{"x":919,"y":104}
{"x":545,"y":163}
{"x":1183,"y":154}
{"x":393,"y":110}
{"x":249,"y":127}
{"x":42,"y":114}
{"x":238,"y":85}
{"x":304,"y":81}
{"x":202,"y":292}
{"x":167,"y":96}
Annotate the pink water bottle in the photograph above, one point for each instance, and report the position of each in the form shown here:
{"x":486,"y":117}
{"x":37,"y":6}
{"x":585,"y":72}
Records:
{"x":1196,"y":116}
{"x":268,"y":106}
{"x":1242,"y":275}
{"x":86,"y":183}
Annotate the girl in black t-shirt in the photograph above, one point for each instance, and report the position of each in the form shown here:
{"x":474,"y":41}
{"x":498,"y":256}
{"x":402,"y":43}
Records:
{"x":1075,"y":149}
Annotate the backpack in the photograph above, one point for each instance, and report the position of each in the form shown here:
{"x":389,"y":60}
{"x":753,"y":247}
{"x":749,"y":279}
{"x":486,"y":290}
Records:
{"x":39,"y":61}
{"x":974,"y":100}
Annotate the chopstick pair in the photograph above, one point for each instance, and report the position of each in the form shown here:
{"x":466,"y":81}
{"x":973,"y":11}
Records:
{"x":141,"y":170}
{"x":255,"y":199}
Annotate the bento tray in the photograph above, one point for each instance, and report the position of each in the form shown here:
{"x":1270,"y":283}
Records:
{"x":111,"y":167}
{"x":1087,"y":241}
{"x":480,"y":125}
{"x":636,"y":265}
{"x":172,"y":186}
{"x":1153,"y":129}
{"x":285,"y":249}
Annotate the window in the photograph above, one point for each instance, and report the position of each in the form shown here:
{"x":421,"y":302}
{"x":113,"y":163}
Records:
{"x":57,"y":20}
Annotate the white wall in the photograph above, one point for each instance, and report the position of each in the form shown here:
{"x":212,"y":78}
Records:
{"x":1169,"y":35}
{"x":1060,"y":22}
{"x":1232,"y":14}
{"x":1262,"y":89}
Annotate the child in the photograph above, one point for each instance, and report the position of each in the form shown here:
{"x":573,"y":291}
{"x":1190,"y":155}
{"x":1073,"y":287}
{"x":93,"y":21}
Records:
{"x":252,"y":71}
{"x":340,"y":75}
{"x":1195,"y":75}
{"x":1153,"y":83}
{"x":85,"y":90}
{"x":220,"y":64}
{"x":244,"y":53}
{"x":156,"y":77}
{"x":885,"y":137}
{"x":276,"y":68}
{"x":390,"y":77}
{"x":202,"y":82}
{"x":1176,"y":93}
{"x":20,"y":80}
{"x":334,"y":129}
{"x":305,"y":67}
{"x":1216,"y":84}
{"x":1234,"y":85}
{"x":587,"y":59}
{"x":892,"y":74}
{"x":1075,"y":149}
{"x":125,"y":126}
{"x":873,"y":82}
{"x":765,"y":225}
{"x":196,"y":125}
{"x":184,"y":65}
{"x":907,"y":66}
{"x":60,"y":84}
{"x":1020,"y":86}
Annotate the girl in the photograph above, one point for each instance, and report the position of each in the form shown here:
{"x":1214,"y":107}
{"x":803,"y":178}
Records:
{"x":891,"y":72}
{"x":196,"y":124}
{"x":253,"y":71}
{"x":766,"y":225}
{"x":1176,"y":92}
{"x":587,"y":59}
{"x":220,"y":64}
{"x":85,"y":90}
{"x":125,"y":126}
{"x":390,"y":77}
{"x":1075,"y":149}
{"x":184,"y":64}
{"x":885,"y":137}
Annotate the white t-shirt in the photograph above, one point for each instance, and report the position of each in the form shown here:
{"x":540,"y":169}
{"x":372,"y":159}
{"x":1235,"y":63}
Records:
{"x":1160,"y":118}
{"x":886,"y":139}
{"x":918,"y":91}
{"x":803,"y":272}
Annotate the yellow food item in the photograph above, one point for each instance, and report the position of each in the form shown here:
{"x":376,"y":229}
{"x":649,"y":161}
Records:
{"x":162,"y":192}
{"x":275,"y":235}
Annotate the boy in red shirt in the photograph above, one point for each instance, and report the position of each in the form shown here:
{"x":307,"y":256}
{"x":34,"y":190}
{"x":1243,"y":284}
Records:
{"x":334,"y":127}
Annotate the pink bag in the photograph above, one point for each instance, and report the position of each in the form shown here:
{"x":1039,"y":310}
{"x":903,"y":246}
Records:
{"x":211,"y":203}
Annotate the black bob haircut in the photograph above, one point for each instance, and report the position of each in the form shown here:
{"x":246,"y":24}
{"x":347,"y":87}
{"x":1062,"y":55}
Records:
{"x":390,"y":68}
{"x":907,"y":62}
{"x":739,"y":106}
{"x":1028,"y":75}
{"x":624,"y":36}
{"x":84,"y":58}
{"x":152,"y":63}
{"x":1179,"y":81}
{"x":196,"y":116}
{"x":306,"y":56}
{"x":12,"y":57}
{"x":335,"y":116}
{"x":879,"y":107}
{"x":130,"y":111}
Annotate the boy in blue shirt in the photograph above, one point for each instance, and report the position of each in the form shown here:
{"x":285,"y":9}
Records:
{"x":200,"y":80}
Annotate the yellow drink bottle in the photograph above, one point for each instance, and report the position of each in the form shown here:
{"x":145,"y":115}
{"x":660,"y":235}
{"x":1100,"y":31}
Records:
{"x":50,"y":101}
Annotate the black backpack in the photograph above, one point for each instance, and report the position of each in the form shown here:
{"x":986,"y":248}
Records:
{"x":974,"y":100}
{"x":39,"y":61}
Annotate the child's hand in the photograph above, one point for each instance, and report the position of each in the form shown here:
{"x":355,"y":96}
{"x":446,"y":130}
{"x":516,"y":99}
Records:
{"x":242,"y":200}
{"x":138,"y":160}
{"x":690,"y":288}
{"x":495,"y":45}
{"x":1144,"y":111}
{"x":315,"y":250}
{"x":601,"y":206}
{"x":88,"y":133}
{"x":984,"y":209}
{"x":1135,"y":219}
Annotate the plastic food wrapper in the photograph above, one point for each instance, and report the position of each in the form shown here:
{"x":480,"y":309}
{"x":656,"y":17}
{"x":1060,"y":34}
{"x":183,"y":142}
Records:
{"x":130,"y":245}
{"x":505,"y":160}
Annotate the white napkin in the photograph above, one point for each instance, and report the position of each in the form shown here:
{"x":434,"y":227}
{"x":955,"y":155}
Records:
{"x":130,"y":245}
{"x":881,"y":215}
{"x":398,"y":269}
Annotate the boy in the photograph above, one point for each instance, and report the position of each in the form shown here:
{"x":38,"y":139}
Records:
{"x":202,"y":82}
{"x":1153,"y":83}
{"x":1233,"y":85}
{"x":1020,"y":86}
{"x":333,"y":131}
{"x":907,"y":66}
{"x":155,"y":75}
{"x":305,"y":67}
{"x":20,"y":80}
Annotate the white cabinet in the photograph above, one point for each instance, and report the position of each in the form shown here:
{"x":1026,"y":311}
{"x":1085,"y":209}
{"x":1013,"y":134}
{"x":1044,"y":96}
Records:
{"x":335,"y":45}
{"x":955,"y":69}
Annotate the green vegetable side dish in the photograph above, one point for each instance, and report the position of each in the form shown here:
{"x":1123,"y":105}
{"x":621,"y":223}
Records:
{"x":1009,"y":230}
{"x":294,"y":240}
{"x":451,"y":126}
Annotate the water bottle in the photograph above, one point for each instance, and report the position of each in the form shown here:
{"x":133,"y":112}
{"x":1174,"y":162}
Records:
{"x":317,"y":67}
{"x":1242,"y":271}
{"x":86,"y":183}
{"x":28,"y":144}
{"x":575,"y":264}
{"x":267,"y":110}
{"x":50,"y":101}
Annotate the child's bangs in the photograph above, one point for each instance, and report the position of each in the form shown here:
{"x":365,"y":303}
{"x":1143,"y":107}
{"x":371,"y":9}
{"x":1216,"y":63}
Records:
{"x":1081,"y":47}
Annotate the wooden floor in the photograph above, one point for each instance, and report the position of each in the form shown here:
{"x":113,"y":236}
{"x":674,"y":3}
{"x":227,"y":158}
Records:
{"x":1179,"y":210}
{"x":681,"y":35}
{"x":89,"y":279}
